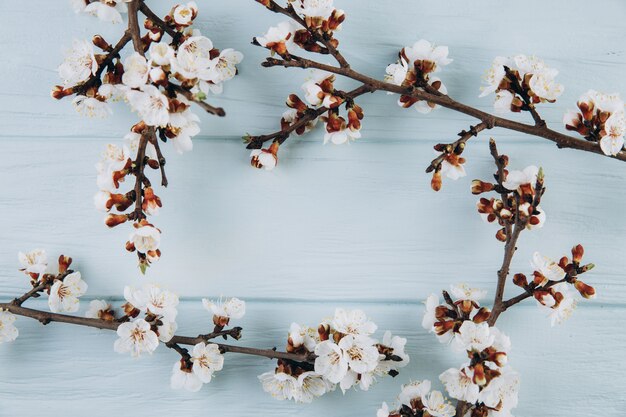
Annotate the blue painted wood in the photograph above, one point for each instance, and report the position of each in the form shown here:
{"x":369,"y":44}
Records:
{"x":332,"y":225}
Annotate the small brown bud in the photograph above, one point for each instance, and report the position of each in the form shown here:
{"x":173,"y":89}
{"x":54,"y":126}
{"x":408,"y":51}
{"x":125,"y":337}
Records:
{"x":58,"y":92}
{"x":482,"y":315}
{"x":501,"y":235}
{"x":479,"y":187}
{"x":324,"y":331}
{"x":64,"y":263}
{"x":585,"y":290}
{"x":113,"y":220}
{"x":577,"y":253}
{"x":520,"y":280}
{"x":479,"y":374}
{"x":435,"y":183}
{"x":586,"y":268}
{"x":101,"y":43}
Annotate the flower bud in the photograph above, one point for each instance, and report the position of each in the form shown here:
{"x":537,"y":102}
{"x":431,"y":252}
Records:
{"x":294,"y":102}
{"x":520,"y":280}
{"x":479,"y":374}
{"x":587,"y":291}
{"x":130,"y":310}
{"x":479,"y":187}
{"x":58,"y":92}
{"x":324,"y":331}
{"x":481,"y":315}
{"x":501,"y":235}
{"x":101,"y":43}
{"x":113,"y":220}
{"x":435,"y":183}
{"x":64,"y":263}
{"x":586,"y":268}
{"x":443,"y":327}
{"x":546,"y":298}
{"x":577,"y":253}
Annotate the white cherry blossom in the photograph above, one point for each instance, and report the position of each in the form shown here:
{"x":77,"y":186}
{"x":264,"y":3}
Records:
{"x":610,"y":103}
{"x":396,"y":343}
{"x":424,"y":107}
{"x":341,"y":136}
{"x":161,"y":53}
{"x":515,"y":179}
{"x":353,"y":322}
{"x":186,"y":126}
{"x":33,"y":262}
{"x":314,"y":8}
{"x":145,"y":238}
{"x":233,"y":308}
{"x":8,"y":331}
{"x":96,"y":307}
{"x":136,"y":70}
{"x":309,"y":386}
{"x":544,"y":86}
{"x":167,"y":330}
{"x":494,"y":75}
{"x":184,"y":13}
{"x":136,"y":337}
{"x":151,"y":104}
{"x":464,"y":292}
{"x":265,"y":158}
{"x":473,"y":337}
{"x":436,"y":405}
{"x":280,"y":385}
{"x":615,"y":128}
{"x":423,"y":50}
{"x":331,"y":362}
{"x":64,"y":293}
{"x":502,"y":390}
{"x":109,"y":11}
{"x":131,"y":141}
{"x":459,"y":384}
{"x":396,"y":73}
{"x":79,"y":63}
{"x":206,"y":359}
{"x":91,"y":107}
{"x":303,"y":336}
{"x":503,"y":102}
{"x":278,"y":37}
{"x":360,"y":352}
{"x":224,"y":66}
{"x":193,"y":58}
{"x":183,"y":378}
{"x":548,"y":268}
{"x":151,"y":298}
{"x":413,"y":391}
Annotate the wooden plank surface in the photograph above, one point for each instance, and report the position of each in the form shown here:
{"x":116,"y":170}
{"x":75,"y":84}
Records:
{"x":354,"y":225}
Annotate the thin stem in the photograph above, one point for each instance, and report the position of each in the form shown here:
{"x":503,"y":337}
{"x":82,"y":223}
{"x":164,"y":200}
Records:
{"x":32,"y":293}
{"x":218,"y":111}
{"x":157,"y":146}
{"x":133,"y":26}
{"x":465,"y":135}
{"x":45,"y":317}
{"x":143,"y":8}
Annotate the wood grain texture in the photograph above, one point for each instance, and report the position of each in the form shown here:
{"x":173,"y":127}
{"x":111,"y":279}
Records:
{"x":354,"y":225}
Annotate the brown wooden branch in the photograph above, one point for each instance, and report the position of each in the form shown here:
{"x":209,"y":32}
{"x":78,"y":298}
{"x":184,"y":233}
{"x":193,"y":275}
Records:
{"x":133,"y":26}
{"x":465,"y":135}
{"x":218,"y":111}
{"x":45,"y":317}
{"x":34,"y":292}
{"x":539,"y":130}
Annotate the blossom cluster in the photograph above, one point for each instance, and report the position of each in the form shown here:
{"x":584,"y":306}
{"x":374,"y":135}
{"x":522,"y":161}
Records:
{"x":522,"y":190}
{"x":417,"y":400}
{"x":414,"y":69}
{"x":159,"y":83}
{"x":599,"y":118}
{"x":345,"y":355}
{"x":321,"y":19}
{"x":486,"y":381}
{"x":520,"y":82}
{"x":551,"y":283}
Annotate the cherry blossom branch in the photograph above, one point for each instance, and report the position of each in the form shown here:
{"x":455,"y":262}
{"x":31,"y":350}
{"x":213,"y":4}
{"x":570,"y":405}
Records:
{"x":143,"y":8}
{"x":542,"y":131}
{"x":459,"y":144}
{"x":255,"y":142}
{"x":218,"y":111}
{"x":45,"y":317}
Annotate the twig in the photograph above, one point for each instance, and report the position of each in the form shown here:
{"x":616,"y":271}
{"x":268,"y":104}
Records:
{"x":218,"y":111}
{"x":143,"y":8}
{"x":47,"y":317}
{"x":465,"y":135}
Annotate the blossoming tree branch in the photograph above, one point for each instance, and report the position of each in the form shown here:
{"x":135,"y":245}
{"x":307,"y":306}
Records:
{"x":171,"y":67}
{"x":520,"y":84}
{"x":340,"y":352}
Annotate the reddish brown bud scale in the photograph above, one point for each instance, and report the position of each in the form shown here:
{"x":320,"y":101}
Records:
{"x":113,"y":220}
{"x":587,"y":291}
{"x":435,"y":183}
{"x":577,"y":253}
{"x":520,"y":280}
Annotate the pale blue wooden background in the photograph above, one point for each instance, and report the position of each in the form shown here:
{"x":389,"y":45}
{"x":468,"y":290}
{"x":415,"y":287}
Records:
{"x":355,"y":226}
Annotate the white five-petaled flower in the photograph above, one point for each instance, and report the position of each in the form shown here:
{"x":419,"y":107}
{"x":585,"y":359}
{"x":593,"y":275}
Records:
{"x":113,"y":159}
{"x":151,"y":104}
{"x":278,"y":38}
{"x":152,"y":299}
{"x":415,"y":390}
{"x":310,"y":385}
{"x":503,"y":102}
{"x":396,"y":73}
{"x":79,"y":64}
{"x":614,"y":128}
{"x":136,"y":70}
{"x":561,"y":312}
{"x":96,"y":307}
{"x":107,"y":11}
{"x":314,"y":8}
{"x":233,"y":308}
{"x":145,"y":238}
{"x":161,"y":53}
{"x":437,"y":406}
{"x":64,"y":293}
{"x":136,"y":337}
{"x":303,"y":336}
{"x":8,"y":331}
{"x":460,"y":385}
{"x":206,"y":359}
{"x":186,"y":126}
{"x":266,"y":159}
{"x":501,"y":342}
{"x":501,"y":391}
{"x":424,"y":106}
{"x":515,"y":179}
{"x":353,"y":322}
{"x":331,"y":362}
{"x":544,"y":86}
{"x":360,"y":352}
{"x":464,"y":292}
{"x":494,"y":76}
{"x":184,"y":378}
{"x":548,"y":268}
{"x":280,"y":385}
{"x":193,"y":58}
{"x":397,"y":344}
{"x":33,"y":262}
{"x":91,"y":107}
{"x":341,"y":136}
{"x":473,"y":337}
{"x":183,"y":14}
{"x":423,"y":50}
{"x":224,"y":66}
